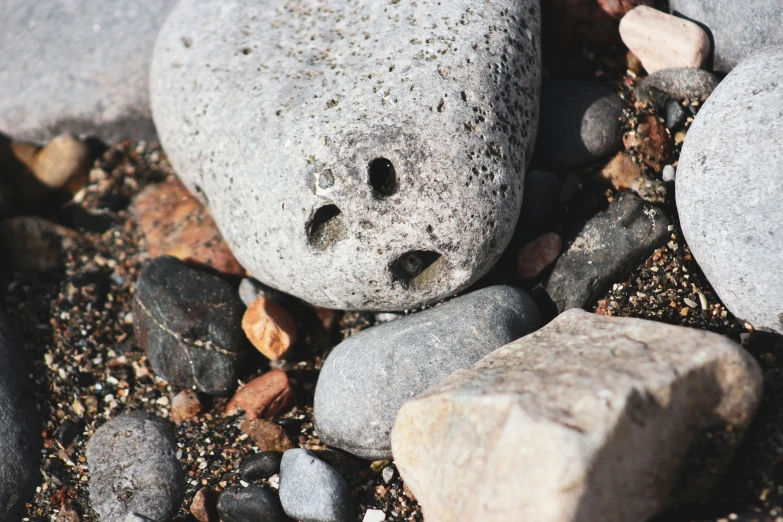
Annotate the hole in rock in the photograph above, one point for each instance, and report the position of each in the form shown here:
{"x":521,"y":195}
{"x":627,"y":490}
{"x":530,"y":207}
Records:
{"x":383,"y":177}
{"x":325,"y":227}
{"x":418,"y":268}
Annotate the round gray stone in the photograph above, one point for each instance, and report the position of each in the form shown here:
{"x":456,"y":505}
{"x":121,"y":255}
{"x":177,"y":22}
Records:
{"x":367,"y":378}
{"x":362,"y":155}
{"x":730,"y":189}
{"x":313,"y":491}
{"x":736,"y":27}
{"x":78,"y":66}
{"x":134,"y":469}
{"x":682,"y":83}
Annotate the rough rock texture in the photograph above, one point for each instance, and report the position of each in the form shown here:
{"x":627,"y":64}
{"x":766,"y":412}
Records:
{"x":77,"y":66}
{"x":684,"y":83}
{"x":250,"y":504}
{"x":362,"y":155}
{"x":19,"y":430}
{"x":581,"y":123}
{"x":737,"y":28}
{"x":190,"y":324}
{"x":604,"y":248}
{"x":730,"y":188}
{"x":367,"y":377}
{"x":590,"y":418}
{"x":312,"y":491}
{"x":134,"y":469}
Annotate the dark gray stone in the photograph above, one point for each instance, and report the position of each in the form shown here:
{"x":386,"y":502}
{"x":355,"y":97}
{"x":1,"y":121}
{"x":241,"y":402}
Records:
{"x":260,"y":466}
{"x":675,"y":116}
{"x":19,"y":430}
{"x":737,"y":28}
{"x":312,"y":491}
{"x":604,"y":249}
{"x":730,"y":190}
{"x":581,"y":123}
{"x":190,"y":323}
{"x":366,"y":378}
{"x":540,"y":203}
{"x":388,"y":164}
{"x":78,"y":66}
{"x":134,"y":469}
{"x":250,"y":504}
{"x":675,"y":84}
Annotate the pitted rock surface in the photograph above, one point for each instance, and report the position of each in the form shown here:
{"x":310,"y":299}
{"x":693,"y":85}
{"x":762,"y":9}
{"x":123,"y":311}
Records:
{"x":359,"y":155}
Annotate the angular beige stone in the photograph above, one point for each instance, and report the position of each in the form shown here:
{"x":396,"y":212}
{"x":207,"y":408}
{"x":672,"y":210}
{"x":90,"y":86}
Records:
{"x":663,"y":41}
{"x":590,"y":418}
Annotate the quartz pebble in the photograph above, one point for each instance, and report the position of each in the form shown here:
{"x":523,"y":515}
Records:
{"x":668,"y":174}
{"x":374,"y":515}
{"x":263,"y":397}
{"x":312,"y":491}
{"x":185,"y":406}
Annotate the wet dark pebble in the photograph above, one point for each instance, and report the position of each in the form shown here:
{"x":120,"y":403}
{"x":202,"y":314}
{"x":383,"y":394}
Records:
{"x":250,"y":504}
{"x":675,"y":115}
{"x":261,"y":465}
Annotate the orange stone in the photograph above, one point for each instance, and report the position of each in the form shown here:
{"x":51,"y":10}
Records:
{"x":269,"y":327}
{"x":267,"y":435}
{"x":650,"y":141}
{"x":263,"y":397}
{"x":174,"y":223}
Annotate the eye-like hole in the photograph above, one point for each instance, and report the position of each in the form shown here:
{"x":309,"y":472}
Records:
{"x":383,"y":177}
{"x":417,"y":268}
{"x":325,"y":227}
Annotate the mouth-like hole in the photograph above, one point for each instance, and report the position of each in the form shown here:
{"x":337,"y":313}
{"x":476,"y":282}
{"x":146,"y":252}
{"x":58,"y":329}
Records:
{"x":417,"y":268}
{"x":383,"y":177}
{"x":325,"y":227}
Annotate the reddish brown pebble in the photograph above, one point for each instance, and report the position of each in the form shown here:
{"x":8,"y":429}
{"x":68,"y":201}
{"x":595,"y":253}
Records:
{"x":204,"y":505}
{"x":269,"y":327}
{"x":534,"y":257}
{"x":266,"y":435}
{"x":603,"y":307}
{"x":618,"y":8}
{"x":650,"y":141}
{"x":176,"y":224}
{"x":68,"y":513}
{"x":327,"y":317}
{"x":263,"y":397}
{"x":185,"y":406}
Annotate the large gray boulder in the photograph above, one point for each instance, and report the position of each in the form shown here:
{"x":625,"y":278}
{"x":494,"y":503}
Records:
{"x":78,"y":66}
{"x":364,"y":155}
{"x":730,"y":190}
{"x":19,"y":430}
{"x":590,"y":418}
{"x":737,"y":27}
{"x":367,"y":378}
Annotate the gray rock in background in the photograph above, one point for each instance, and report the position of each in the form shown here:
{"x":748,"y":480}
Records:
{"x":730,"y":190}
{"x":604,"y":249}
{"x":313,"y":491}
{"x":367,"y":377}
{"x":590,"y":418}
{"x":581,"y":123}
{"x":78,"y":66}
{"x":356,"y":155}
{"x":19,"y":430}
{"x":684,"y":83}
{"x":134,"y":469}
{"x":738,"y":28}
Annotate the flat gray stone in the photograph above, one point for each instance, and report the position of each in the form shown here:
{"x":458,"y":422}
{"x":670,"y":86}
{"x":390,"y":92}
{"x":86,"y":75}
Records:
{"x":134,"y":469}
{"x":78,"y":66}
{"x":590,"y":418}
{"x":356,"y":155}
{"x":685,"y":83}
{"x":581,"y":123}
{"x":313,"y":491}
{"x":19,"y":430}
{"x":604,"y":249}
{"x":737,"y":28}
{"x":367,"y":377}
{"x":730,"y":190}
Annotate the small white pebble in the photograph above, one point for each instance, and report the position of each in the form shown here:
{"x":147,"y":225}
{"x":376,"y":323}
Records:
{"x":374,"y":515}
{"x":669,"y":174}
{"x":690,"y":302}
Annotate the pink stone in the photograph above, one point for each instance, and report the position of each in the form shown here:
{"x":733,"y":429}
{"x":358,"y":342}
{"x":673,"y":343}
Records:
{"x":534,"y":257}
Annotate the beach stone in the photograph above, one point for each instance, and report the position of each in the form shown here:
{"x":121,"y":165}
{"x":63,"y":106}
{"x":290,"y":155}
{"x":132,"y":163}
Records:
{"x":581,"y":123}
{"x":390,"y":162}
{"x":684,"y":83}
{"x":649,"y":141}
{"x":732,"y":154}
{"x":605,"y":249}
{"x":269,"y":327}
{"x":19,"y":429}
{"x":669,"y":174}
{"x":374,"y":515}
{"x":267,"y":435}
{"x":675,"y":115}
{"x":590,"y":418}
{"x":662,"y":41}
{"x":737,"y":28}
{"x":34,"y":244}
{"x":264,"y":397}
{"x":185,"y":406}
{"x":624,"y":174}
{"x":189,"y":322}
{"x":204,"y":505}
{"x":134,"y":469}
{"x":249,"y":504}
{"x":78,"y":66}
{"x":618,"y":8}
{"x":536,"y":256}
{"x":312,"y":491}
{"x":367,"y":377}
{"x":261,"y":466}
